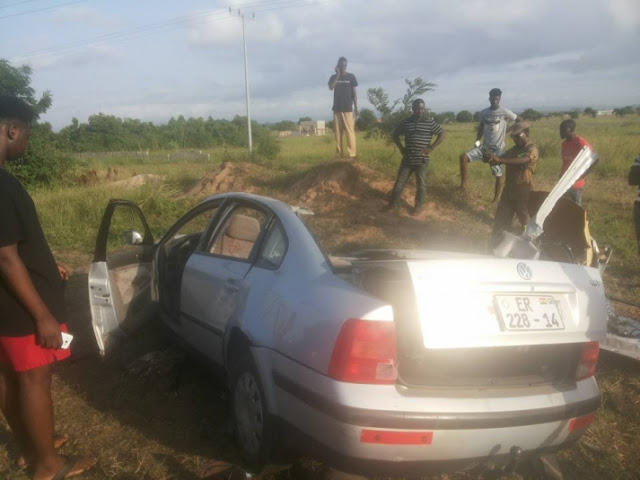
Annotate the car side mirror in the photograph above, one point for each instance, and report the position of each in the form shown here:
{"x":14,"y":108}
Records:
{"x":131,"y":237}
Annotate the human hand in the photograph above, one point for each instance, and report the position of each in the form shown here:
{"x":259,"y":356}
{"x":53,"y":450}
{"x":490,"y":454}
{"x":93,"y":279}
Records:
{"x":337,"y":69}
{"x":355,"y":112}
{"x":427,"y":150}
{"x":63,"y":272}
{"x":48,"y":333}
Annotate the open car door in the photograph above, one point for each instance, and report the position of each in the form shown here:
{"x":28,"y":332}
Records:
{"x":120,"y":274}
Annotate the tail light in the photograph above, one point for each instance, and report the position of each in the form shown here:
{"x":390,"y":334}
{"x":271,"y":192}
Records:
{"x":581,"y":422}
{"x":365,"y":352}
{"x":588,"y":360}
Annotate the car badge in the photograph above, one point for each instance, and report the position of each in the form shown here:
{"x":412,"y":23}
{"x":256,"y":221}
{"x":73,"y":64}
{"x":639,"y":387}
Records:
{"x":524,"y":271}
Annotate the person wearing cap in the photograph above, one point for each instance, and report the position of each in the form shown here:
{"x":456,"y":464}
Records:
{"x":492,"y":130}
{"x":520,"y":161}
{"x":634,"y":179}
{"x":572,"y":144}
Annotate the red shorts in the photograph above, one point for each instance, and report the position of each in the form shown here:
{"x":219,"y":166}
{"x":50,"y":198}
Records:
{"x":23,"y":353}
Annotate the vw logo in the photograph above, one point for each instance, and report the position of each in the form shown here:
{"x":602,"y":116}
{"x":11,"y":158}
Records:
{"x":524,"y":271}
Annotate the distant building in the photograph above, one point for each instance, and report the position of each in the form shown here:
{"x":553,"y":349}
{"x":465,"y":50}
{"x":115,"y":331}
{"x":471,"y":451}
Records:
{"x":600,"y":113}
{"x":313,"y":127}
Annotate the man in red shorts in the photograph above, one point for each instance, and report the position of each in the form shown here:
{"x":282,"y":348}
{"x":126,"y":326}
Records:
{"x":31,"y":311}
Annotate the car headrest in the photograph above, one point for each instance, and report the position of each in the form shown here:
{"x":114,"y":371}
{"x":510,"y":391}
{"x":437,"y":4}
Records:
{"x":244,"y":228}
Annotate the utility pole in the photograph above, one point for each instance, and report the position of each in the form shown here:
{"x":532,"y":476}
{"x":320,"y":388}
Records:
{"x":241,"y":14}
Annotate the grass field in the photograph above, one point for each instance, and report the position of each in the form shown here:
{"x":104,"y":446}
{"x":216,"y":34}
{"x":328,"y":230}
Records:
{"x":171,"y":423}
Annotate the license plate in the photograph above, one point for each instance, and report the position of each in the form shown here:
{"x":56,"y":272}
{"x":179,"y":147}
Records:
{"x":529,"y":312}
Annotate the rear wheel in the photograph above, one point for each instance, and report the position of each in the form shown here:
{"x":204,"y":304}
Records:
{"x":254,"y":431}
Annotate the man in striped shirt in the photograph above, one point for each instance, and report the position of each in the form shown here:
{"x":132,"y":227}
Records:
{"x":417,"y":131}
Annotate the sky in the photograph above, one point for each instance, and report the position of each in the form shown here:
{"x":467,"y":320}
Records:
{"x":153,"y":60}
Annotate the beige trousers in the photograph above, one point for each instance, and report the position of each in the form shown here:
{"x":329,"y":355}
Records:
{"x":343,"y":124}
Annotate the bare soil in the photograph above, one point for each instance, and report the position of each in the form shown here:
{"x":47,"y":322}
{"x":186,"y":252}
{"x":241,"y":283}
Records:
{"x":151,"y":412}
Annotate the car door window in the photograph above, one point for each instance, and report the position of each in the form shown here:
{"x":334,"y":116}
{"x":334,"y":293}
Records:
{"x":120,"y":237}
{"x":239,"y":232}
{"x":181,"y":242}
{"x":273,"y":248}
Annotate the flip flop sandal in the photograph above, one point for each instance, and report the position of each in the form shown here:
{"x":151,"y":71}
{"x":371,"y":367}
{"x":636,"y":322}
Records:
{"x":58,"y":441}
{"x":66,"y":468}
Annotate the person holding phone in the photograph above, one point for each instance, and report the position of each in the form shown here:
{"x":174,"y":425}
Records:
{"x":31,"y":311}
{"x":345,"y":107}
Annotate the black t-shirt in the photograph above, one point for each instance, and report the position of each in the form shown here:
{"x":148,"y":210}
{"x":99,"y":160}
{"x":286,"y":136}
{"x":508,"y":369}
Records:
{"x":343,"y":92}
{"x":19,"y":225}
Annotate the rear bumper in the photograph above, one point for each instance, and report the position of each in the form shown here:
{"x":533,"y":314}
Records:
{"x":325,"y":416}
{"x":432,"y":420}
{"x":300,"y":442}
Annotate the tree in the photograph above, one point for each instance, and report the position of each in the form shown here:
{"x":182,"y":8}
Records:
{"x":304,"y":119}
{"x":445,"y":117}
{"x":574,"y":114}
{"x":464,"y":116}
{"x":476,"y":116}
{"x":43,"y":163}
{"x":16,"y":81}
{"x":390,"y":117}
{"x":367,"y":120}
{"x":284,"y":125}
{"x":590,"y":111}
{"x":621,"y":112}
{"x":531,"y":114}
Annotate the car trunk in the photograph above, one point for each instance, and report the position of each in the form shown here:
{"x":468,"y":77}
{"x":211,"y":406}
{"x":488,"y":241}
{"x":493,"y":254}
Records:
{"x":478,"y":321}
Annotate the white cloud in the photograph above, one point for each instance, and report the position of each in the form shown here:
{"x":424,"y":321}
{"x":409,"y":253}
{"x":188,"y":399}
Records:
{"x":82,"y":15}
{"x":222,"y":29}
{"x":625,"y":13}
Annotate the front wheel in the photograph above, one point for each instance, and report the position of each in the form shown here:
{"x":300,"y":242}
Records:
{"x":254,"y":432}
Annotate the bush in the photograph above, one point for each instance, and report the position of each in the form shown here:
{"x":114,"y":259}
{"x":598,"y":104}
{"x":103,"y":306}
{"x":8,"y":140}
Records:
{"x":464,"y":116}
{"x":268,"y":147}
{"x":42,"y":164}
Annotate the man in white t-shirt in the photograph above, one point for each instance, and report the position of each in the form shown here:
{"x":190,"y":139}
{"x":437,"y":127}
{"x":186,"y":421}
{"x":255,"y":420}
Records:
{"x":492,"y":130}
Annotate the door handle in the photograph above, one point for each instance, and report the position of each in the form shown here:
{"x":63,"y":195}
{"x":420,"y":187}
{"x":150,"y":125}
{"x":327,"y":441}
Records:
{"x":232,"y":286}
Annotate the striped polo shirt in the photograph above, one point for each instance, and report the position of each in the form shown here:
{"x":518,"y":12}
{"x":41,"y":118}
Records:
{"x":417,"y":136}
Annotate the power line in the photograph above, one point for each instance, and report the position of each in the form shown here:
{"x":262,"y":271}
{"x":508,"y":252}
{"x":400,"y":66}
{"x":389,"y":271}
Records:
{"x":157,"y":27}
{"x":18,"y":3}
{"x":41,"y":9}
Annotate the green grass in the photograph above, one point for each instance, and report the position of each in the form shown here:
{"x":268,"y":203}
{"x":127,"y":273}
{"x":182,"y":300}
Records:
{"x":107,"y":409}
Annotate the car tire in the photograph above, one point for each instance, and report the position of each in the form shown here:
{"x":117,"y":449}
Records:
{"x":254,"y":426}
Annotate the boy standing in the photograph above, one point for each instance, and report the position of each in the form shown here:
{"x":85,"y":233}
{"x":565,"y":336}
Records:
{"x":492,"y":130}
{"x":345,"y":107}
{"x":31,"y":311}
{"x":571,"y":146}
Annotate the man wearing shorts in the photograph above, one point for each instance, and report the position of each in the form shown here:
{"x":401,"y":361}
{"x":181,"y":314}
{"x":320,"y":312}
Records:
{"x":31,"y":311}
{"x":492,"y":130}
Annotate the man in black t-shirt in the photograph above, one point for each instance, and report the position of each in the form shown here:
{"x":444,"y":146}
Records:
{"x":31,"y":311}
{"x":345,"y":107}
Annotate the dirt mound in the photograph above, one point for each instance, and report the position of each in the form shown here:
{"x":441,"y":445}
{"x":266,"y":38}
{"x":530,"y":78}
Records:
{"x":226,"y":178}
{"x":326,"y":185}
{"x":139,"y":180}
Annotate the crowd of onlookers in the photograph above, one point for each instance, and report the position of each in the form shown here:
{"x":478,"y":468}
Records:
{"x":513,"y":183}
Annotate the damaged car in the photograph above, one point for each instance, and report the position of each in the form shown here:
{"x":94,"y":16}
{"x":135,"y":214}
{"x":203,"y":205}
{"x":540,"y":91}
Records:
{"x":380,"y":360}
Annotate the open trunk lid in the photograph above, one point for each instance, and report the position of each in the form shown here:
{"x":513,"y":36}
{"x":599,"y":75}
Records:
{"x":488,"y":302}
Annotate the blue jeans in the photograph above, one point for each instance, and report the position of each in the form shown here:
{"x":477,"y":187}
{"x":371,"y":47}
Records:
{"x":574,"y":194}
{"x":404,"y":172}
